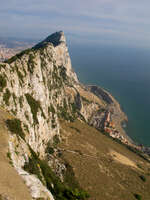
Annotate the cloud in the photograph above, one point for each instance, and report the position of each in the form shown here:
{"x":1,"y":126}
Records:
{"x":97,"y":20}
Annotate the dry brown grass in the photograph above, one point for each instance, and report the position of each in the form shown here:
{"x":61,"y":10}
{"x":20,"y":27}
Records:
{"x":122,"y":159}
{"x":108,"y":170}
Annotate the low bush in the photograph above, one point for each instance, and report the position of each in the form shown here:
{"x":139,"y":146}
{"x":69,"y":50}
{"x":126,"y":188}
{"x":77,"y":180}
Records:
{"x":143,"y":178}
{"x":35,"y":106}
{"x":6,"y":97}
{"x":3,"y":83}
{"x":14,"y":126}
{"x":61,"y":191}
{"x":56,"y":140}
{"x":49,"y":149}
{"x":138,"y":196}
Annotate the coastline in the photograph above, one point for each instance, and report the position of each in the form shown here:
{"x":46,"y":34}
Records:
{"x":114,"y":119}
{"x":118,"y":117}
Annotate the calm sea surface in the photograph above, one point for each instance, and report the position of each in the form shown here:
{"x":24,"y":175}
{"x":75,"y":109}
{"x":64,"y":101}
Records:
{"x":125,"y":73}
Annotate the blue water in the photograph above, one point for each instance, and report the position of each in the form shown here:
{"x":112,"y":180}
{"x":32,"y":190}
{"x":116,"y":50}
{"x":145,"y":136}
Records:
{"x":125,"y":73}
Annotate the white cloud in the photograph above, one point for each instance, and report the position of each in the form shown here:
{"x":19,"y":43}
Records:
{"x":108,"y":19}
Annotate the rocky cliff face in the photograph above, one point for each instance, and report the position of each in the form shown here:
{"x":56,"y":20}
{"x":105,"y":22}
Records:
{"x":40,"y":88}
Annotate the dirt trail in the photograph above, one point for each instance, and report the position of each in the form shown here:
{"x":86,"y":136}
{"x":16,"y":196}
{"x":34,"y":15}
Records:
{"x":11,"y":184}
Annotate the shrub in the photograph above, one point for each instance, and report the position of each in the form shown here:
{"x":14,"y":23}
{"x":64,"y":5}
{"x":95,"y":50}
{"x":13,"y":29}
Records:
{"x":60,"y":190}
{"x":31,"y":63}
{"x":56,"y":140}
{"x":33,"y":168}
{"x":63,"y":113}
{"x":14,"y":126}
{"x":35,"y":106}
{"x":143,"y":178}
{"x":9,"y":155}
{"x":138,"y":197}
{"x":14,"y":98}
{"x":63,"y":73}
{"x":51,"y":109}
{"x":3,"y":83}
{"x":21,"y":101}
{"x":2,"y":65}
{"x":49,"y":148}
{"x":17,"y":56}
{"x":20,"y":76}
{"x":6,"y":97}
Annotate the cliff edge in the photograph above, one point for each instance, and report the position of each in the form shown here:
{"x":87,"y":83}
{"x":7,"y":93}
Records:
{"x":58,"y":124}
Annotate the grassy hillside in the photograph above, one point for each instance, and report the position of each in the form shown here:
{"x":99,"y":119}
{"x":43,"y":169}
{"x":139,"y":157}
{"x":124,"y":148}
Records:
{"x":106,"y":169}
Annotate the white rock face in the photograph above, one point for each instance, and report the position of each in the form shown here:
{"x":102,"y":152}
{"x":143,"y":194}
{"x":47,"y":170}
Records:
{"x":37,"y":78}
{"x":63,"y":59}
{"x":38,"y":87}
{"x":37,"y":189}
{"x":33,"y":89}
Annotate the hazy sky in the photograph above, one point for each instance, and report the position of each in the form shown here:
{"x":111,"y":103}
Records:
{"x":91,"y":21}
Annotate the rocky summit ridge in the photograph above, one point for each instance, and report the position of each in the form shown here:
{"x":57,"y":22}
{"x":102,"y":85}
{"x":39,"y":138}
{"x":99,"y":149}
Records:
{"x":39,"y":88}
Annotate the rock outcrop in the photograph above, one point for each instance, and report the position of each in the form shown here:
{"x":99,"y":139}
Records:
{"x":40,"y":88}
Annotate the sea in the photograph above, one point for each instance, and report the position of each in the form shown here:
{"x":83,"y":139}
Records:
{"x":125,"y":73}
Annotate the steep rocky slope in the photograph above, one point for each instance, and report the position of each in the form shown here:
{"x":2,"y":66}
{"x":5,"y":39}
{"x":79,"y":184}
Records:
{"x":11,"y":184}
{"x":39,"y":88}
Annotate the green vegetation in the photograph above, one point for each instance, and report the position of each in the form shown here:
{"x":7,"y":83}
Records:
{"x":21,"y":101}
{"x":9,"y":155}
{"x":56,"y":140}
{"x":13,"y":112}
{"x":6,"y":97}
{"x":69,"y":176}
{"x":43,"y":62}
{"x":26,"y":128}
{"x":57,"y":80}
{"x":3,"y":83}
{"x":35,"y":106}
{"x":61,"y":191}
{"x":62,"y":72}
{"x":143,"y":178}
{"x":18,"y":56}
{"x":51,"y":109}
{"x":59,"y":77}
{"x":139,"y":166}
{"x":69,"y":112}
{"x":52,"y":144}
{"x":20,"y":76}
{"x":74,"y":108}
{"x":138,"y":197}
{"x":49,"y":148}
{"x":63,"y":113}
{"x":32,"y":166}
{"x":14,"y":98}
{"x":14,"y":126}
{"x":31,"y":63}
{"x":2,"y":66}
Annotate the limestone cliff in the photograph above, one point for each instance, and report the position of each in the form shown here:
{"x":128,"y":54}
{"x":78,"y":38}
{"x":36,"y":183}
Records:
{"x":39,"y":88}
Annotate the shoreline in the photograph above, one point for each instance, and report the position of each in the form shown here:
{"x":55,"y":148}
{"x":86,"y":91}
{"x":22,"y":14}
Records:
{"x":117,"y":115}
